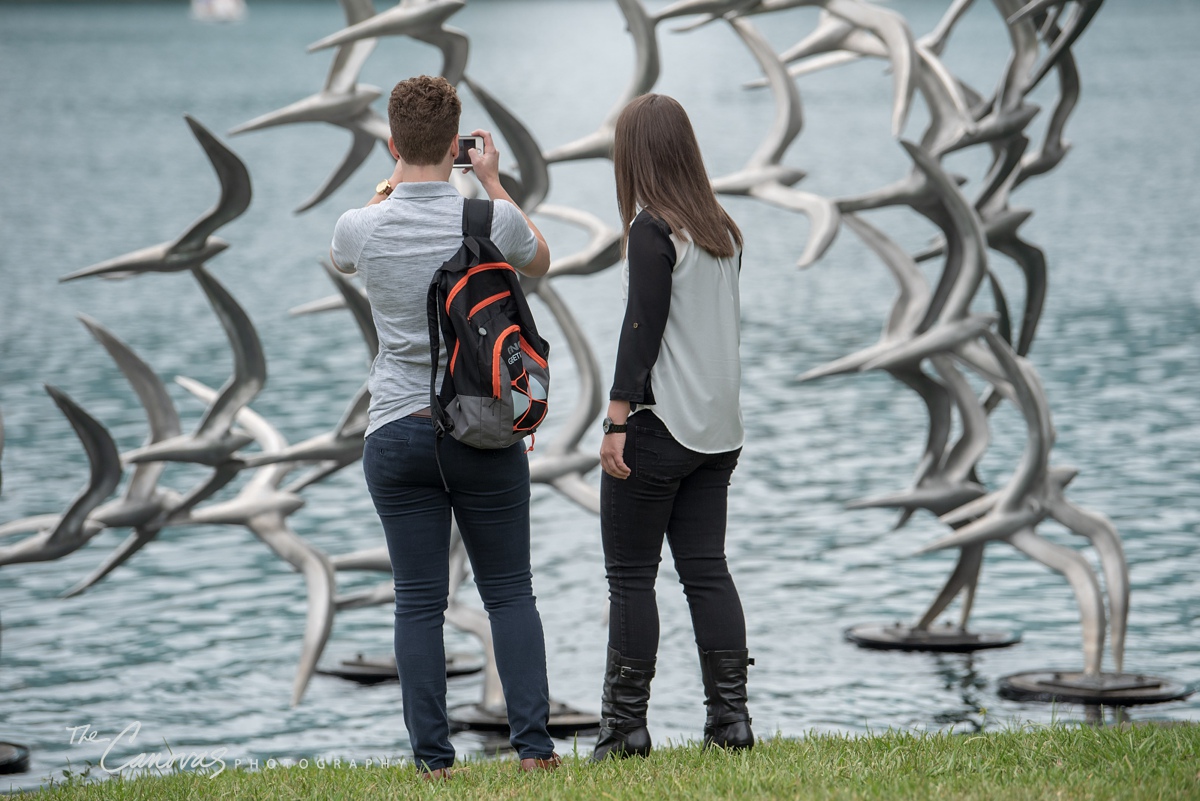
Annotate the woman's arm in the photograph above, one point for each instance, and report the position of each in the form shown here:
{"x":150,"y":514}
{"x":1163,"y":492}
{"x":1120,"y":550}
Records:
{"x":651,"y":261}
{"x":612,"y":447}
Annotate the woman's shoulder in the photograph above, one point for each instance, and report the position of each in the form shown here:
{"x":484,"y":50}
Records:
{"x":648,"y":223}
{"x":650,"y":241}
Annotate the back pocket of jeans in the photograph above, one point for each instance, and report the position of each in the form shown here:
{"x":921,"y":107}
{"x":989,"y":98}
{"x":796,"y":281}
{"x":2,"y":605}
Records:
{"x":659,"y":459}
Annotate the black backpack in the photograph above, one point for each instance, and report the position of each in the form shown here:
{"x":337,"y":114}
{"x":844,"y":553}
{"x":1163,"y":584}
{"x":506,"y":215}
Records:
{"x":494,"y":391}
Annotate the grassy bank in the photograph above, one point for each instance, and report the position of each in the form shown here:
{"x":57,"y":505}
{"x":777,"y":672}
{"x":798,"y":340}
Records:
{"x":1145,"y":762}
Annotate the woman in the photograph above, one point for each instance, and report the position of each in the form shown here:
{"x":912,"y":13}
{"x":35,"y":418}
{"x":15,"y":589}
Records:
{"x":674,"y":428}
{"x":412,"y":225}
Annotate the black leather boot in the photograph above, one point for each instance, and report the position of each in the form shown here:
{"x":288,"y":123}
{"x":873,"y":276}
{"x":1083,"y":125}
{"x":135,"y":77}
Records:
{"x":623,"y":708}
{"x":728,"y":722}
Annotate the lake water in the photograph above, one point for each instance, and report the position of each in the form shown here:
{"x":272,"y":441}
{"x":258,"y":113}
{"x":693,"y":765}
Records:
{"x":197,"y":637}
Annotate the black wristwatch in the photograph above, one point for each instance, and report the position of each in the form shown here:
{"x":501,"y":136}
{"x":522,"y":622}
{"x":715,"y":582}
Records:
{"x":613,"y":428}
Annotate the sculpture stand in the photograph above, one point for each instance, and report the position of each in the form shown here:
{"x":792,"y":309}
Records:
{"x":564,"y":720}
{"x":1106,"y":689}
{"x":490,"y":714}
{"x":14,"y":758}
{"x":376,"y":670}
{"x":947,"y":638}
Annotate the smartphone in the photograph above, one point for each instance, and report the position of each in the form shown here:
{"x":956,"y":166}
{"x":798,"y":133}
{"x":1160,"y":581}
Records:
{"x":465,"y":143}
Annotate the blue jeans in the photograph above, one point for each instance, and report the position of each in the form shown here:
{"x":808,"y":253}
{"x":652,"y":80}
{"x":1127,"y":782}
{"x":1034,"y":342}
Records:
{"x":489,"y":496}
{"x":683,"y":495}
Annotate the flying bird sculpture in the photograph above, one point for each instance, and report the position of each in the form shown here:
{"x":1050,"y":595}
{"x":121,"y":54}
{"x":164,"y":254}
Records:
{"x":562,"y":464}
{"x":599,"y":144}
{"x":263,"y":508}
{"x":1081,"y":14}
{"x":344,"y":444}
{"x":342,"y":101}
{"x":217,"y":438}
{"x":531,"y":188}
{"x":603,"y":249}
{"x":145,"y":505}
{"x":404,"y":19}
{"x":197,"y":244}
{"x":764,"y":176}
{"x":72,"y":530}
{"x":454,"y":44}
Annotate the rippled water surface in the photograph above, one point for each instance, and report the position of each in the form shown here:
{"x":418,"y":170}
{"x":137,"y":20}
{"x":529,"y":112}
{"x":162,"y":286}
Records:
{"x":198,"y":636}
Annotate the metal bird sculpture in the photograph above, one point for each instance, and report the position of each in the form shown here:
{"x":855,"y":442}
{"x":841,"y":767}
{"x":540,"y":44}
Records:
{"x":197,"y":244}
{"x":454,"y":44}
{"x":562,"y":464}
{"x":950,"y":324}
{"x":1081,"y":15}
{"x":344,"y":444}
{"x":72,"y":530}
{"x":263,"y":508}
{"x":342,"y":101}
{"x":145,"y":506}
{"x":532,"y":187}
{"x":1016,"y":510}
{"x":402,"y":20}
{"x":216,"y":438}
{"x":763,"y":176}
{"x":888,"y":26}
{"x":599,"y":144}
{"x":602,"y":251}
{"x":764,"y":163}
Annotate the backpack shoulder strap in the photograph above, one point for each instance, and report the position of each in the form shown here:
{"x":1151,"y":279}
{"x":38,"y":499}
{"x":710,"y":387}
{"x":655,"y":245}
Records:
{"x":432,"y":304}
{"x":477,"y":217}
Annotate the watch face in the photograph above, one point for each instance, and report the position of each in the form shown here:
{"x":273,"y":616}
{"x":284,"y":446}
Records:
{"x":607,"y":424}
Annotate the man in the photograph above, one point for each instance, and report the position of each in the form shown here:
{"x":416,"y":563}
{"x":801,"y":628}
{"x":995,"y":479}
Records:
{"x":396,"y":243}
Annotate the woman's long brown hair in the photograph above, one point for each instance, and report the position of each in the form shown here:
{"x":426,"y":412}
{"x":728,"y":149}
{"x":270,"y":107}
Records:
{"x":658,"y":166}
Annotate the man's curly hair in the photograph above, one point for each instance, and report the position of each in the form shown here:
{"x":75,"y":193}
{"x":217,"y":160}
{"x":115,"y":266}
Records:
{"x":423,"y":113}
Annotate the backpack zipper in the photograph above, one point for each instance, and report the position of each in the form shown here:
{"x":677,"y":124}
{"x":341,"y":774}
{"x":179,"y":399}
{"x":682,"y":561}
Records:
{"x":496,"y":358}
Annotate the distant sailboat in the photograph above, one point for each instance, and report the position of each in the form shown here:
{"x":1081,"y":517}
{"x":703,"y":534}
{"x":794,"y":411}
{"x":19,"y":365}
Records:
{"x":218,"y":10}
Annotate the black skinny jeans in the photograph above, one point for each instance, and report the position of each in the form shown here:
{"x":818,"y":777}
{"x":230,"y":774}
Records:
{"x":683,"y":494}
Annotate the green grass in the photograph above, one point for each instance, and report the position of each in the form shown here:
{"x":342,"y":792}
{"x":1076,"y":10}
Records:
{"x":1057,"y":762}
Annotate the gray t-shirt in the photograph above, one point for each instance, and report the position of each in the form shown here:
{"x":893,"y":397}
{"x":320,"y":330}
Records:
{"x":396,"y":246}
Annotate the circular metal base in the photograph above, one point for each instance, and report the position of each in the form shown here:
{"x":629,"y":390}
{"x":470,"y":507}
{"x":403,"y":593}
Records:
{"x":13,"y":758}
{"x":1107,"y":689}
{"x":564,"y":720}
{"x":945,"y":638}
{"x":375,"y":670}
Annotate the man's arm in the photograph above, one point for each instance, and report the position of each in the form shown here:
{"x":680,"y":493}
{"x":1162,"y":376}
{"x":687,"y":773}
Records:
{"x":487,"y":170}
{"x":378,"y":197}
{"x":349,"y":235}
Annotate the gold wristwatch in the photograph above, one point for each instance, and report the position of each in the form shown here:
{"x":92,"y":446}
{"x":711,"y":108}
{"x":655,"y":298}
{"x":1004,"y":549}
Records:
{"x":384,"y":187}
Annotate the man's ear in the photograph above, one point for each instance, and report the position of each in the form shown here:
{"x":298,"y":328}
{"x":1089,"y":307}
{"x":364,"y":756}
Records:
{"x":392,"y":148}
{"x":454,"y":148}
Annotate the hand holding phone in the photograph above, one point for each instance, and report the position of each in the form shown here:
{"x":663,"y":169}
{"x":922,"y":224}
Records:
{"x":465,"y":143}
